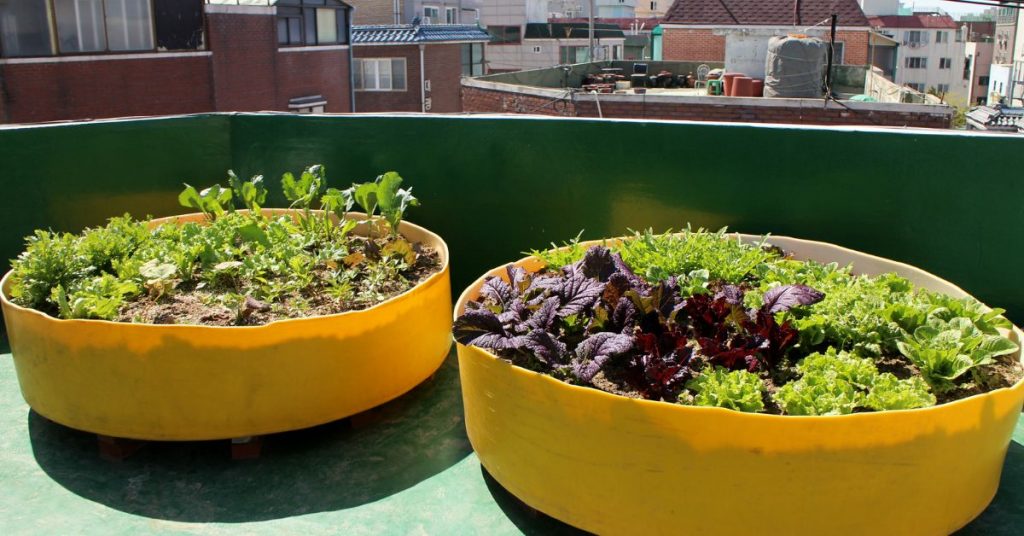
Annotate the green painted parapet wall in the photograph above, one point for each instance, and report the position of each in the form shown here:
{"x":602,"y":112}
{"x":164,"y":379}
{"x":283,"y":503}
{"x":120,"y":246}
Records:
{"x":493,"y":187}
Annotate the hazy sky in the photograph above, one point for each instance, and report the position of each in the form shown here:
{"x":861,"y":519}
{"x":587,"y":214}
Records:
{"x":953,"y":8}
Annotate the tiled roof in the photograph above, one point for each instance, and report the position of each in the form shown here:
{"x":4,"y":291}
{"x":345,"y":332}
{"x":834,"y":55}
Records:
{"x":997,"y":118}
{"x":765,"y":12}
{"x":424,"y":33}
{"x":623,"y":23}
{"x":917,"y":20}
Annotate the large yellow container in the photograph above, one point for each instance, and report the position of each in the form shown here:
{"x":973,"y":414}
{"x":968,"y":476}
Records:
{"x":177,"y":382}
{"x":613,"y":465}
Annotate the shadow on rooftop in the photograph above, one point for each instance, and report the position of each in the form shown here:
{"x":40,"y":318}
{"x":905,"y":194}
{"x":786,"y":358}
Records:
{"x":326,"y":468}
{"x":529,"y":521}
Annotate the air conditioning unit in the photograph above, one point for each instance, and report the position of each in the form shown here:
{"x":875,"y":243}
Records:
{"x":426,"y":20}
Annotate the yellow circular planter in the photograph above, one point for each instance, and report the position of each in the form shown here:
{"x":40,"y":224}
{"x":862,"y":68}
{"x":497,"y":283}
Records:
{"x":179,"y":382}
{"x":613,"y":465}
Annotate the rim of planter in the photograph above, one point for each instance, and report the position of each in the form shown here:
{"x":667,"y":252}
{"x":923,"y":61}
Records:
{"x":198,"y":382}
{"x":541,"y":437}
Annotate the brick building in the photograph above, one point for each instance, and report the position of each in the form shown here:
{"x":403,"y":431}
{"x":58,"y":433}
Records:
{"x":79,"y":59}
{"x":702,"y":30}
{"x":414,"y":68}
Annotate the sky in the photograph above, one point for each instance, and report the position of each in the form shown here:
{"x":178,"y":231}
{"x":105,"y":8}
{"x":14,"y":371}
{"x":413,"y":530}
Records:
{"x":953,"y":8}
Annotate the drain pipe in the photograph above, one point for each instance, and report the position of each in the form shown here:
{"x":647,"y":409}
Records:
{"x":351,"y":65}
{"x":423,"y":82}
{"x":597,"y":101}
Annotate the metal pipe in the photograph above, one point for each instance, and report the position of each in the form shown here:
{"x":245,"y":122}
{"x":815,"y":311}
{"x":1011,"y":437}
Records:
{"x":351,"y":63}
{"x":423,"y":82}
{"x":591,"y":32}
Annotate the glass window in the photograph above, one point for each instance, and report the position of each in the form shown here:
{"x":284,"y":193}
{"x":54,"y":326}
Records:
{"x":129,"y":25}
{"x":451,"y":15}
{"x":380,"y":74}
{"x":24,"y":28}
{"x":473,"y":59}
{"x":326,"y":26}
{"x":304,"y":24}
{"x":940,"y":37}
{"x":80,"y":25}
{"x":431,"y":15}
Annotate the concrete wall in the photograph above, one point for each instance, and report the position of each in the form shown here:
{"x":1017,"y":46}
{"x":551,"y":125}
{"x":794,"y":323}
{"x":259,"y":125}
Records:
{"x":884,"y":90}
{"x":540,"y":53}
{"x":980,"y":56}
{"x":750,"y":44}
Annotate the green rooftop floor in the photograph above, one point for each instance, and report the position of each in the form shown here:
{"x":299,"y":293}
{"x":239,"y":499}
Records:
{"x":409,"y":471}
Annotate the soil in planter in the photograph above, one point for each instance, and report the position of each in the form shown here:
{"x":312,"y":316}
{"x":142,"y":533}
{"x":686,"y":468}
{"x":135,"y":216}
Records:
{"x":201,"y":306}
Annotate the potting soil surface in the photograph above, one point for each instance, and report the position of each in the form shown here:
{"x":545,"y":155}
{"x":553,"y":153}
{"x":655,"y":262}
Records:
{"x":406,"y":468}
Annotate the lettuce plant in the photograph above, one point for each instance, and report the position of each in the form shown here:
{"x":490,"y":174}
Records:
{"x":737,"y":390}
{"x":946,"y":350}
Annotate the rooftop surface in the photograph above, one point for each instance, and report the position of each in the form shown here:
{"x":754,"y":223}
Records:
{"x":410,"y":472}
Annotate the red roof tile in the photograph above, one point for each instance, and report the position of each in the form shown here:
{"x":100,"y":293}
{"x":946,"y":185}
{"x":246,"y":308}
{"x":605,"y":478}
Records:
{"x":917,"y":20}
{"x":765,"y":12}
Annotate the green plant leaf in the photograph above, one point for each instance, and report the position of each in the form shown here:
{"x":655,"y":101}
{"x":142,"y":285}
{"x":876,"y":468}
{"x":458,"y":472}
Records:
{"x":366,"y":196}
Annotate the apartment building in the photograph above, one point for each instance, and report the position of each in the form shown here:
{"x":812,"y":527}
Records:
{"x":932,"y":53}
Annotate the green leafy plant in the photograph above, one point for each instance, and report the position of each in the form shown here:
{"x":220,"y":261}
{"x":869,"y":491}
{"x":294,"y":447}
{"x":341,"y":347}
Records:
{"x":212,"y":201}
{"x":946,"y":350}
{"x":251,"y":193}
{"x":890,"y":393}
{"x":737,"y":390}
{"x":258,"y":268}
{"x":386,"y":195}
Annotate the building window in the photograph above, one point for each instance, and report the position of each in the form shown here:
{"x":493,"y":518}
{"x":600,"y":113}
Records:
{"x":451,"y":15}
{"x":917,"y":63}
{"x":915,"y":86}
{"x":25,"y":28}
{"x":504,"y":35}
{"x":967,"y":67}
{"x":913,"y":36}
{"x":941,"y":37}
{"x":431,"y":15}
{"x":943,"y":89}
{"x":473,"y":59}
{"x":654,"y":6}
{"x":983,"y":81}
{"x":945,"y":63}
{"x":48,"y":27}
{"x":570,"y":55}
{"x":311,"y":22}
{"x":103,"y":25}
{"x":379,"y":74}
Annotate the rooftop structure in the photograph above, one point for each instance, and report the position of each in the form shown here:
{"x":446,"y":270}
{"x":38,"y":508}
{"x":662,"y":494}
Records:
{"x":996,"y":119}
{"x":589,"y":90}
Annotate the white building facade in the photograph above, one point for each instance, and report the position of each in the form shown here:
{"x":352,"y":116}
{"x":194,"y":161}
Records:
{"x":931,"y":54}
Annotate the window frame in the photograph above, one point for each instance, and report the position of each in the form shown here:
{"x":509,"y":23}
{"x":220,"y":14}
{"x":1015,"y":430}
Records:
{"x":454,"y":15}
{"x":54,"y":38}
{"x":922,"y":62}
{"x":360,"y":82}
{"x":300,"y":10}
{"x":433,"y":18}
{"x":472,"y":59}
{"x":945,"y":63}
{"x":503,"y":38}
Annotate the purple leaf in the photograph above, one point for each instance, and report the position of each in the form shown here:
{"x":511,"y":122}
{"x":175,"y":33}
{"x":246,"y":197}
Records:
{"x":498,"y":291}
{"x":732,"y":295}
{"x":578,"y":293}
{"x":597,"y":263}
{"x":544,"y":318}
{"x":624,"y":269}
{"x":518,"y":277}
{"x":625,"y":316}
{"x":786,"y":297}
{"x":594,"y":352}
{"x":545,"y":347}
{"x":482,"y":328}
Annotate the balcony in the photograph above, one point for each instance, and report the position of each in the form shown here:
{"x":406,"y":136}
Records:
{"x":492,"y":187}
